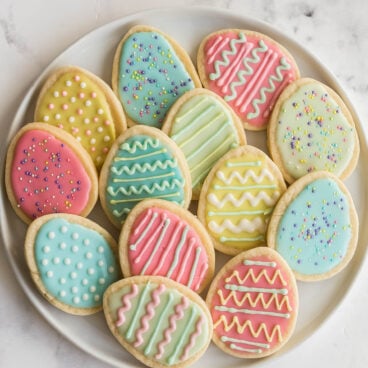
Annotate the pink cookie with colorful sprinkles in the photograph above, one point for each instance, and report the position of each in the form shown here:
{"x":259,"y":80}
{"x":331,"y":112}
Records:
{"x":161,"y":238}
{"x":248,"y":69}
{"x":47,"y":171}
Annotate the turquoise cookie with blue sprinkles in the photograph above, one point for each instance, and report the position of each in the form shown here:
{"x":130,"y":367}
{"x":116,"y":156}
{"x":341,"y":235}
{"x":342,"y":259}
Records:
{"x":143,"y":163}
{"x":314,"y":226}
{"x":72,"y":261}
{"x":150,"y":72}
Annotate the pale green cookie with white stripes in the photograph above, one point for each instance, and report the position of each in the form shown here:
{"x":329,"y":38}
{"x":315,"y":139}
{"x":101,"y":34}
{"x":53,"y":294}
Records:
{"x":205,"y":128}
{"x":142,"y":163}
{"x":238,"y":197}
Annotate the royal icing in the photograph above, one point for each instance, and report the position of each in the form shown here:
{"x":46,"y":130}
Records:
{"x":78,"y":105}
{"x":159,"y":322}
{"x":249,"y":72}
{"x":314,"y":232}
{"x":204,"y":130}
{"x":75,"y":263}
{"x":240,"y":198}
{"x":312,"y":132}
{"x":163,"y":244}
{"x":143,"y":167}
{"x":47,"y":176}
{"x":151,"y":77}
{"x":253,"y":306}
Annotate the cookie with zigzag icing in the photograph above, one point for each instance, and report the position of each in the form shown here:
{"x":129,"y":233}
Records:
{"x":143,"y":163}
{"x":253,"y":301}
{"x":248,"y":70}
{"x":238,"y":197}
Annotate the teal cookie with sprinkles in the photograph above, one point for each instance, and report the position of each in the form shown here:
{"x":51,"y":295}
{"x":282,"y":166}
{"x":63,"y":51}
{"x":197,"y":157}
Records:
{"x":150,"y":72}
{"x":314,"y":226}
{"x":72,"y":261}
{"x":312,"y":129}
{"x":143,"y":163}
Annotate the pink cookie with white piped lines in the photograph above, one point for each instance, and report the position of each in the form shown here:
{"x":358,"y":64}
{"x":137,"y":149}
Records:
{"x":161,"y":238}
{"x":247,"y":69}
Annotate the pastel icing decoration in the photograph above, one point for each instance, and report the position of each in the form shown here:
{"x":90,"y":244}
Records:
{"x":82,"y":104}
{"x":248,"y":70}
{"x":150,"y":72}
{"x":315,"y":227}
{"x":312,"y":129}
{"x":143,"y":163}
{"x":47,"y":171}
{"x":204,"y":128}
{"x":238,"y":197}
{"x":254,"y":304}
{"x":161,"y":238}
{"x":159,"y":321}
{"x":72,"y":261}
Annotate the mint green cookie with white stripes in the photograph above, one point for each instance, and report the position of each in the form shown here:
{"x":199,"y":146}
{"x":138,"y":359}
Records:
{"x":143,"y":163}
{"x":205,"y":128}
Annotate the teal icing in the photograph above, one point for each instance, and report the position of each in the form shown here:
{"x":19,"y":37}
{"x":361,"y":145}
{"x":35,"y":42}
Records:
{"x":314,"y":232}
{"x":143,"y":167}
{"x":76,"y":264}
{"x":151,"y":77}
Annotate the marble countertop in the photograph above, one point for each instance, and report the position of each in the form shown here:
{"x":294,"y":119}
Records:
{"x":33,"y":33}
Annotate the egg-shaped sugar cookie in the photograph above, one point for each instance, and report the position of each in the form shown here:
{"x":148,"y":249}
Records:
{"x":254,"y":304}
{"x":150,"y":72}
{"x":315,"y":226}
{"x":248,"y":70}
{"x":205,"y":128}
{"x":47,"y":171}
{"x":161,"y":238}
{"x":159,"y":321}
{"x":143,"y":163}
{"x":72,"y":261}
{"x":82,"y":104}
{"x":311,"y":129}
{"x":238,"y":197}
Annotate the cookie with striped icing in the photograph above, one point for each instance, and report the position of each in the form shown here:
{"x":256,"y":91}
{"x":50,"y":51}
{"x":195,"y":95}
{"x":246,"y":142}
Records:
{"x":205,"y":128}
{"x":315,"y":226}
{"x":143,"y":163}
{"x":312,"y":129}
{"x":253,"y":301}
{"x":82,"y":104}
{"x":72,"y":261}
{"x":238,"y":197}
{"x":247,"y":69}
{"x":159,"y":321}
{"x":150,"y":72}
{"x":161,"y":238}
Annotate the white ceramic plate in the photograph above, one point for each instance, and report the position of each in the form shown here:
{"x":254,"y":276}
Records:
{"x":95,"y":52}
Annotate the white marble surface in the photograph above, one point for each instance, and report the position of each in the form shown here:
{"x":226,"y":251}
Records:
{"x":33,"y":33}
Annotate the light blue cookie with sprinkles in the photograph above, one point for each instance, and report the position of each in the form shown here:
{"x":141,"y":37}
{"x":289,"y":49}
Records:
{"x":143,"y":163}
{"x":314,"y":226}
{"x":150,"y":72}
{"x":72,"y":261}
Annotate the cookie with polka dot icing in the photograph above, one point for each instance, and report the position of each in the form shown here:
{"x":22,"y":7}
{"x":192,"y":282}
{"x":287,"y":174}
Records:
{"x":48,"y":171}
{"x":161,"y":238}
{"x":315,"y":226}
{"x":238,"y":197}
{"x":143,"y":163}
{"x":205,"y":128}
{"x":82,"y":104}
{"x":247,"y":69}
{"x":312,"y":129}
{"x":72,"y":261}
{"x":150,"y":72}
{"x":160,"y":322}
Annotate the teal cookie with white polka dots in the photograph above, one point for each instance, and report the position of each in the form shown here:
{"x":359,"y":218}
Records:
{"x":72,"y":261}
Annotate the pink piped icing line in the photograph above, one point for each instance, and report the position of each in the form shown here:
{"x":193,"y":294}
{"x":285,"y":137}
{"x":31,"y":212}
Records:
{"x":126,"y":305}
{"x":193,"y":337}
{"x":178,"y":315}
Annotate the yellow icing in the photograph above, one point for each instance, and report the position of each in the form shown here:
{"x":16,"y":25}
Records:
{"x":78,"y":105}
